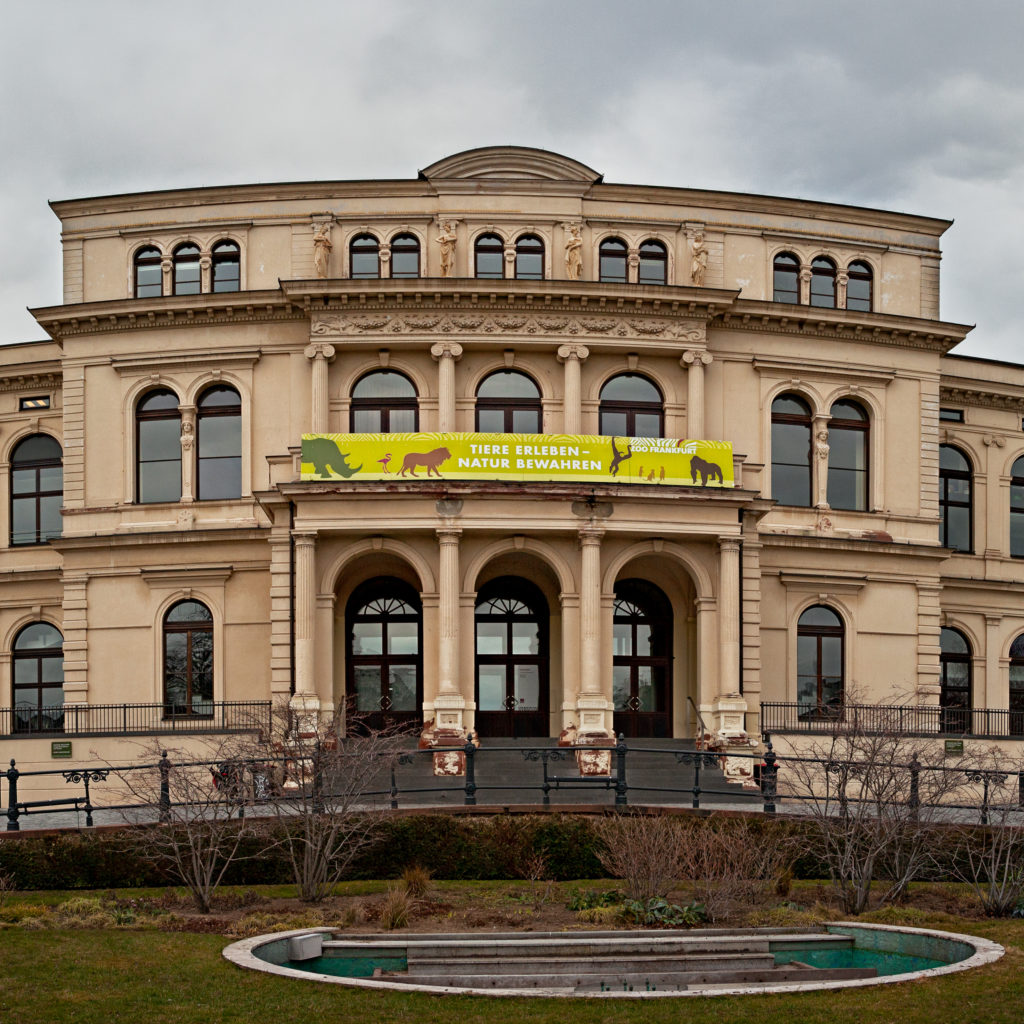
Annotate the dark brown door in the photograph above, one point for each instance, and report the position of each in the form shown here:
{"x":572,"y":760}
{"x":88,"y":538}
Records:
{"x":642,"y":660}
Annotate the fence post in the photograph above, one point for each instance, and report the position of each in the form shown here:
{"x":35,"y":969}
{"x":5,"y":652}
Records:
{"x":546,"y":786}
{"x":12,"y":774}
{"x":769,"y":776}
{"x":915,"y":788}
{"x":620,"y":771}
{"x":697,"y":762}
{"x":165,"y":787}
{"x":470,"y":751}
{"x":984,"y":799}
{"x":394,"y":787}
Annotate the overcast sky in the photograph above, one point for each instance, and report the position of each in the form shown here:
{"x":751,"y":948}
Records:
{"x":907,"y":105}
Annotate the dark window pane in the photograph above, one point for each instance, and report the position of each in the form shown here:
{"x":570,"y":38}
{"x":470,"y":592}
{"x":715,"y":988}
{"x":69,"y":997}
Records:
{"x":1017,"y":534}
{"x":647,"y":425}
{"x":490,"y":264}
{"x":36,"y":448}
{"x":507,"y":385}
{"x":525,"y":421}
{"x":160,"y":439}
{"x":220,"y":479}
{"x":951,"y":458}
{"x":220,"y":435}
{"x":148,"y":282}
{"x":402,"y":421}
{"x":490,"y":421}
{"x":613,"y":269}
{"x":958,"y":528}
{"x":23,"y":481}
{"x":791,"y":485}
{"x":49,"y":517}
{"x":613,"y":423}
{"x":366,"y":421}
{"x":630,"y":387}
{"x":160,"y":481}
{"x":23,"y":521}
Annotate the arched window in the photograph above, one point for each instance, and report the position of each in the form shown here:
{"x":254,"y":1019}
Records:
{"x":186,"y":270}
{"x":158,"y":447}
{"x":791,"y":451}
{"x":148,"y":273}
{"x":612,"y":261}
{"x":955,"y":499}
{"x":384,"y":664}
{"x":819,"y":662}
{"x":858,"y":286}
{"x":955,"y":682}
{"x":38,"y":669}
{"x":653,"y":263}
{"x":37,"y":490}
{"x":786,"y":278}
{"x":364,"y":257}
{"x":384,"y":402}
{"x":1017,"y":508}
{"x":529,"y":258}
{"x":511,"y":659}
{"x":508,"y":402}
{"x":631,"y":406}
{"x":642,"y":660}
{"x":405,"y":256}
{"x":227,"y":267}
{"x":188,"y":659}
{"x":219,"y":444}
{"x":848,"y":456}
{"x":1017,"y":686}
{"x":823,"y":282}
{"x":489,"y":257}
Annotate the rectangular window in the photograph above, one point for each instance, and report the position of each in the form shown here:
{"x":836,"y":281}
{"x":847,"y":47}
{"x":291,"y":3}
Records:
{"x":952,"y":415}
{"x":36,"y":402}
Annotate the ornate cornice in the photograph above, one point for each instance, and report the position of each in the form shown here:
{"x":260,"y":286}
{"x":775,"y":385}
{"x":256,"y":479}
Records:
{"x":1011,"y":401}
{"x":29,"y":382}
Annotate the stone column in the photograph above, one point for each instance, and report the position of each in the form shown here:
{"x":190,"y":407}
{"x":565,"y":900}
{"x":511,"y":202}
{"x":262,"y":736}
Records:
{"x":805,"y":286}
{"x":694,"y":361}
{"x":304,"y":700}
{"x":842,"y":280}
{"x":994,"y":694}
{"x":205,"y":273}
{"x":446,"y":353}
{"x":571,"y":356}
{"x":632,"y":265}
{"x":819,"y":462}
{"x":166,"y":272}
{"x":730,"y":707}
{"x":449,"y":702}
{"x":592,"y":703}
{"x":320,"y":353}
{"x":188,"y":462}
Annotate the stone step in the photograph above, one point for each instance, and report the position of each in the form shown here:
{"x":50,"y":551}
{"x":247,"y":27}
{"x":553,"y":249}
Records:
{"x":614,"y":964}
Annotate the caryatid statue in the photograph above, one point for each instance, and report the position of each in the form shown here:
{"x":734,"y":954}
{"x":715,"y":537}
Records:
{"x":698,"y":259}
{"x":321,"y":247}
{"x":446,"y":240}
{"x":573,"y":253}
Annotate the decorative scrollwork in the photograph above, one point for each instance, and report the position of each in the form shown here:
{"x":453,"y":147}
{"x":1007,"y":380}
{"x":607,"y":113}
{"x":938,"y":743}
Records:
{"x":78,"y":775}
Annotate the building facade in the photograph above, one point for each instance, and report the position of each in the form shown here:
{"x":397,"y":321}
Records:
{"x":163,"y":555}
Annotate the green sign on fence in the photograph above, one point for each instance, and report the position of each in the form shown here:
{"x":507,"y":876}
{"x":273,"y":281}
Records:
{"x":954,"y":748}
{"x":60,"y":748}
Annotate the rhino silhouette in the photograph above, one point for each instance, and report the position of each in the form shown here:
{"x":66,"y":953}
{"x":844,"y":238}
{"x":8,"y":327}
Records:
{"x":324,"y":453}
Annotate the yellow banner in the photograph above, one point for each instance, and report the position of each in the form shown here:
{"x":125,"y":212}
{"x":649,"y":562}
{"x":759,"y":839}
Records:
{"x":570,"y":458}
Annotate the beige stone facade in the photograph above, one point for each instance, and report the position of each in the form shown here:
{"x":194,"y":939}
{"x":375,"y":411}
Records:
{"x":725,"y":303}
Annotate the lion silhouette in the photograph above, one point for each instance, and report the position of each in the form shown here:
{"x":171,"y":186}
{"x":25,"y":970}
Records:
{"x":429,"y":459}
{"x":707,"y":471}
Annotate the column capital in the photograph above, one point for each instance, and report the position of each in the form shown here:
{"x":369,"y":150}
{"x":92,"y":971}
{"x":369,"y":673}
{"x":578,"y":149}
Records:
{"x":448,"y":534}
{"x":450,"y":349}
{"x":570,"y":352}
{"x":319,"y":350}
{"x":304,"y":539}
{"x":729,"y":543}
{"x":590,"y":536}
{"x":694,"y":357}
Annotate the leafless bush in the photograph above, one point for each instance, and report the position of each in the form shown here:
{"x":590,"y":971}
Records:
{"x":643,"y":850}
{"x":416,"y":881}
{"x":7,"y":886}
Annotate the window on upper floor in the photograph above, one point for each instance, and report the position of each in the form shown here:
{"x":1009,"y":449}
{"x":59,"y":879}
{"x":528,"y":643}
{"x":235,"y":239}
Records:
{"x":612,"y":261}
{"x":384,"y":402}
{"x":405,"y":256}
{"x":653,"y":267}
{"x":37,"y":490}
{"x":848,"y":436}
{"x":955,"y":499}
{"x":489,"y":257}
{"x":786,"y":278}
{"x":158,"y":447}
{"x":37,"y":663}
{"x":631,"y":406}
{"x":1017,"y":686}
{"x":529,"y":258}
{"x":219,"y":444}
{"x":955,"y":668}
{"x":148,"y":273}
{"x":226,"y":267}
{"x":364,"y":257}
{"x":819,"y":662}
{"x":187,"y":277}
{"x":1017,"y":508}
{"x":858,"y":286}
{"x":823,"y":282}
{"x":951,"y":415}
{"x":791,"y":451}
{"x":188,"y":659}
{"x":508,"y":402}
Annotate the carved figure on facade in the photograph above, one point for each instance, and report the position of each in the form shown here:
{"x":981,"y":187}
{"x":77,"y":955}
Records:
{"x":822,"y":444}
{"x":321,"y":247}
{"x":698,"y":259}
{"x":447,"y":240}
{"x":573,"y":253}
{"x":187,"y":429}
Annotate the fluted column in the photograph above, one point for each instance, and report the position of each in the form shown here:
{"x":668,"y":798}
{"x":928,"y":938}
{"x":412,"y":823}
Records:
{"x":449,"y":701}
{"x":571,"y":356}
{"x":729,"y":616}
{"x":592,"y":704}
{"x":305,"y":613}
{"x":320,"y":353}
{"x":446,"y":353}
{"x":694,"y":361}
{"x":994,"y":694}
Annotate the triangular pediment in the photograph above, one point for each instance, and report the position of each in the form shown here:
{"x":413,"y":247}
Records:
{"x":510,"y":163}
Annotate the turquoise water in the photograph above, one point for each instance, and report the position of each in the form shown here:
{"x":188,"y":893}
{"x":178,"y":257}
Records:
{"x":350,"y":967}
{"x":884,"y":963}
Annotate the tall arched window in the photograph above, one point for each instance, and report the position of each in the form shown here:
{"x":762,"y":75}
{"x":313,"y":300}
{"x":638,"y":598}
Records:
{"x":37,"y":490}
{"x":791,"y":451}
{"x":384,"y":664}
{"x":823,"y":282}
{"x":631,"y":406}
{"x":955,"y":499}
{"x":219,"y":444}
{"x":1017,"y":508}
{"x":508,"y":402}
{"x":642,"y":660}
{"x":148,"y":273}
{"x":653,"y":263}
{"x":384,"y":402}
{"x":612,"y":261}
{"x":158,"y":447}
{"x":188,"y":659}
{"x":955,"y":698}
{"x":1017,"y":686}
{"x":364,"y":257}
{"x":489,"y":257}
{"x":819,"y":662}
{"x":848,"y":456}
{"x":37,"y":663}
{"x":511,"y":659}
{"x":786,"y":278}
{"x":858,"y":286}
{"x":226,"y":267}
{"x":186,"y":270}
{"x":529,"y":258}
{"x":405,"y":256}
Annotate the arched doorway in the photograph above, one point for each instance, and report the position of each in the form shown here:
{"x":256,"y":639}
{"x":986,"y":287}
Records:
{"x":384,"y":660}
{"x":642,"y":660}
{"x":511,"y":642}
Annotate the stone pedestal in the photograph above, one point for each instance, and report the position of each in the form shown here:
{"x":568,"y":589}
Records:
{"x":305,"y":715}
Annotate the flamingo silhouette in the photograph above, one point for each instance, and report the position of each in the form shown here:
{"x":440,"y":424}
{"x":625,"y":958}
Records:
{"x":384,"y":462}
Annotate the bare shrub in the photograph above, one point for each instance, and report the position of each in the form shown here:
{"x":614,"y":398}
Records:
{"x":416,"y":881}
{"x":7,"y":886}
{"x":643,"y":850}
